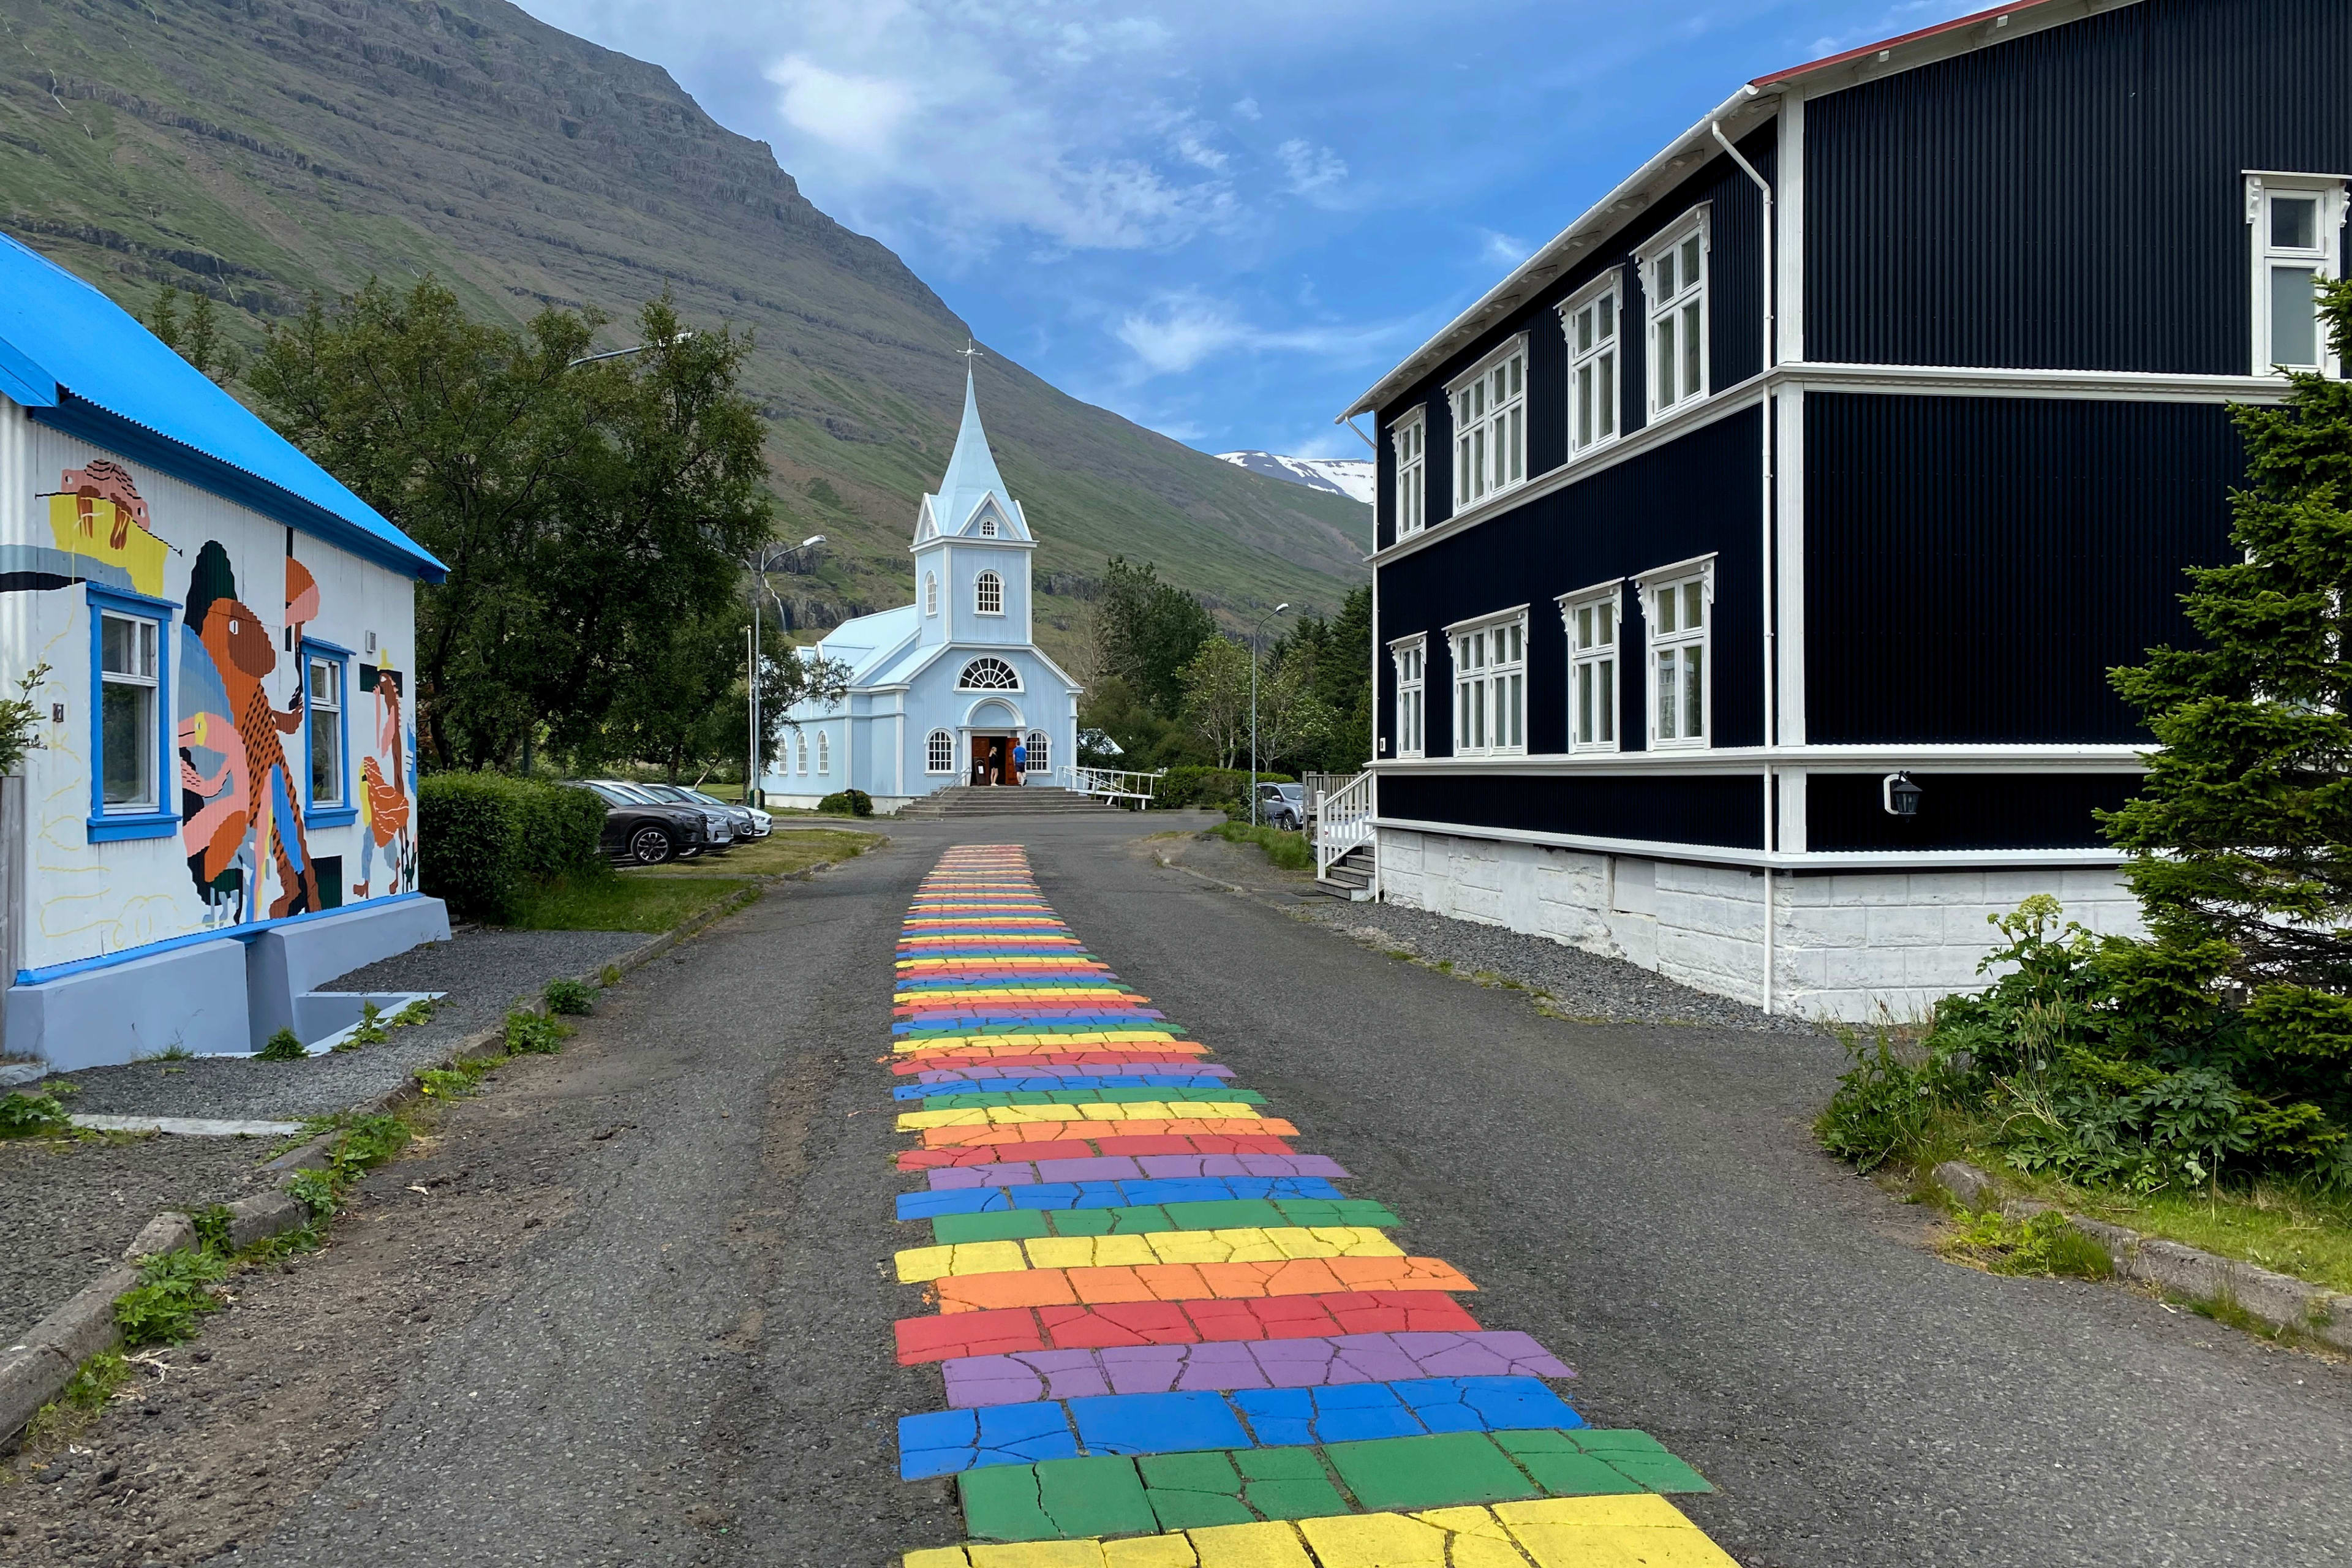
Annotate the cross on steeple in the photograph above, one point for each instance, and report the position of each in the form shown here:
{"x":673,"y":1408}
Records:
{"x":968,"y":353}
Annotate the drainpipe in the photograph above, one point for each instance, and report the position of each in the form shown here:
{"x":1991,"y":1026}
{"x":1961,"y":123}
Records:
{"x":1769,"y":245}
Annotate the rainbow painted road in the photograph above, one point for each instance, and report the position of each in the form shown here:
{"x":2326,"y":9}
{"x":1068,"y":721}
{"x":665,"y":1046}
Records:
{"x":1170,"y":1340}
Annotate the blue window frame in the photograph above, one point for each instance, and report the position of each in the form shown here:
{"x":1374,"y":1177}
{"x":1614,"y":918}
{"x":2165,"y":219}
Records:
{"x":327,"y":729}
{"x":130,"y":751}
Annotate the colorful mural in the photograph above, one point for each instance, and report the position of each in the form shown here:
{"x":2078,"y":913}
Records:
{"x":387,"y":780}
{"x":98,"y":533}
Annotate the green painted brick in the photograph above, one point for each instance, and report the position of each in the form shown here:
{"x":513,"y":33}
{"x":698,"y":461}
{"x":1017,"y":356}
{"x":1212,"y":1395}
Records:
{"x":1082,"y":1222}
{"x":1210,"y":1472}
{"x":1135,"y":1221}
{"x":1057,"y":1500}
{"x":1572,"y":1474}
{"x":1301,"y":1499}
{"x":1565,"y":1462}
{"x":1009,"y":1226}
{"x":1198,"y":1510}
{"x":1279,"y":1464}
{"x":1658,"y":1472}
{"x":1224,"y":1214}
{"x":1441,"y":1471}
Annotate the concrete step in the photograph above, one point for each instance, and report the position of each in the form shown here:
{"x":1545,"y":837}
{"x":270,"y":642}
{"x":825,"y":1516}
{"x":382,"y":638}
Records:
{"x":1350,"y":876}
{"x":1001,"y":800}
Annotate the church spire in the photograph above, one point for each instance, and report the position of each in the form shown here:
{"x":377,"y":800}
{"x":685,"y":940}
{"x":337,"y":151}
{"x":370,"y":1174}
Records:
{"x":972,"y":475}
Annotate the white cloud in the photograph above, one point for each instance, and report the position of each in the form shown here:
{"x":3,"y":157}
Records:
{"x":1311,"y":170}
{"x":1247,"y":108}
{"x":1501,"y":249}
{"x":1185,"y":330}
{"x":859,"y":113}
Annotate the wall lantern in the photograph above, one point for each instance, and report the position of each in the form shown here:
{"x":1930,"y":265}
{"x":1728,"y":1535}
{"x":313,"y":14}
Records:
{"x":1900,"y":796}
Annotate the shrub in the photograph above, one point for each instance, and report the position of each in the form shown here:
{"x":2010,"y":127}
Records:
{"x":1286,"y":851}
{"x":572,"y":996}
{"x":282,"y":1046}
{"x":23,"y":1115}
{"x":486,"y":840}
{"x":1882,"y":1108}
{"x":174,"y":1289}
{"x":1209,"y":787}
{"x":534,"y":1033}
{"x":847,"y":802}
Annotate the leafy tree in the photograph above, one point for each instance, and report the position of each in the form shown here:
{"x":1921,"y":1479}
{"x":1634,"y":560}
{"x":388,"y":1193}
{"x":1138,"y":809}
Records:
{"x":1149,"y":632}
{"x":682,"y":707}
{"x":1294,"y":725}
{"x":1338,"y":655}
{"x":1216,"y":696}
{"x":588,"y":512}
{"x":197,"y":338}
{"x":2243,"y":831}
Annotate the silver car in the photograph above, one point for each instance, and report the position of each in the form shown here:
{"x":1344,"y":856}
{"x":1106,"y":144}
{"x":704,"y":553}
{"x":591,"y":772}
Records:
{"x":1282,"y":805}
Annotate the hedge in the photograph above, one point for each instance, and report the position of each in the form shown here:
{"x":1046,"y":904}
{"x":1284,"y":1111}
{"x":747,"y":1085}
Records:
{"x":1209,"y":787}
{"x":847,"y":802}
{"x":486,"y":839}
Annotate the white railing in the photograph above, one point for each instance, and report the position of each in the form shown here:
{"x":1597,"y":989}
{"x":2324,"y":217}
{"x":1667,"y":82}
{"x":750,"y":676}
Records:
{"x":1344,"y":823}
{"x":1116,"y":785}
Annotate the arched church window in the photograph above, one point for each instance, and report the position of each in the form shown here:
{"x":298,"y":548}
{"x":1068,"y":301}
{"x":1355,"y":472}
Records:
{"x":801,"y":749}
{"x":988,"y":528}
{"x":989,"y":675}
{"x":824,"y":753}
{"x":939,"y":753}
{"x":1040,"y":755}
{"x":988,"y":593}
{"x":931,"y":594}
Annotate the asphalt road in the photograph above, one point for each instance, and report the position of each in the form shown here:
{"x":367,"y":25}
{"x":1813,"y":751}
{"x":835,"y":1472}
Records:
{"x":694,"y":1363}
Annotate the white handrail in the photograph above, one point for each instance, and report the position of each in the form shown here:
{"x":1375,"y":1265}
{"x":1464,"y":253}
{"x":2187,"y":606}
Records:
{"x":1344,"y":823}
{"x":1117,"y":784}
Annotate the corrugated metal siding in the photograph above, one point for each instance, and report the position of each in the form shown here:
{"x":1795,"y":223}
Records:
{"x":2073,"y":198}
{"x":1964,"y":810}
{"x":1974,"y":566}
{"x":1692,"y":497}
{"x":1725,"y":809}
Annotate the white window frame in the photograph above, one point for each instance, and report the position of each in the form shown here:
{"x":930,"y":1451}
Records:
{"x":930,"y":593}
{"x":800,"y":752}
{"x":1489,"y":657}
{"x":318,"y":704}
{"x":1409,"y":439}
{"x":1676,"y":311}
{"x":824,"y":753}
{"x":1595,"y":621}
{"x":988,"y":526}
{"x":964,"y":681}
{"x":2324,"y":257}
{"x":939,"y":753}
{"x":148,"y":646}
{"x":1490,"y":406}
{"x":1041,"y":751}
{"x":1410,"y":656}
{"x":1677,"y":644}
{"x":981,"y":594}
{"x":1593,"y":321}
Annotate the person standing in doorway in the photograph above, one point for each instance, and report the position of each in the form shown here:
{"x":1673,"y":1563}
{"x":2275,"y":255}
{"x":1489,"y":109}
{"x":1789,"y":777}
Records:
{"x":1020,"y":761}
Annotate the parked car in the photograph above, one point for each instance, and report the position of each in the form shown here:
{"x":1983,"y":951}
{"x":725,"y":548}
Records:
{"x":1282,"y":805}
{"x":648,"y":832}
{"x":762,"y":824}
{"x":719,"y":834}
{"x":746,"y":822}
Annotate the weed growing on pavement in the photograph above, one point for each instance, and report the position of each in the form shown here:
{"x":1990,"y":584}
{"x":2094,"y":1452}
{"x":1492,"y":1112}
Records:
{"x":211,"y":1227}
{"x":282,"y":1046}
{"x":315,"y":1190}
{"x":177,"y":1051}
{"x":455,"y":1081}
{"x":2042,"y":1242}
{"x":534,"y":1033}
{"x":26,"y":1115}
{"x":1883,"y":1106}
{"x":420,"y":1011}
{"x":572,"y":996}
{"x":609,"y":976}
{"x":174,"y":1289}
{"x":60,"y":1421}
{"x":368,"y":1031}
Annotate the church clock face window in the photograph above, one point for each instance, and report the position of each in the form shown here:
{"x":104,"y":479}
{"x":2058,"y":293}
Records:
{"x":988,"y":593}
{"x":939,"y":753}
{"x":988,"y":675}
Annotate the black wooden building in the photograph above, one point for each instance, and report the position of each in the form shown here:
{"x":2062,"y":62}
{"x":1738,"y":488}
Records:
{"x":1824,"y":468}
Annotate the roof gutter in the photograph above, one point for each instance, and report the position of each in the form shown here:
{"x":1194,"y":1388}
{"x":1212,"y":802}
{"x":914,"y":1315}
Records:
{"x":1611,"y":211}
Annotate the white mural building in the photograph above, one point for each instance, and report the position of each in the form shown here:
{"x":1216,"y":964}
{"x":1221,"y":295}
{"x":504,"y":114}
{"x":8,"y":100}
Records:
{"x":217,"y":813}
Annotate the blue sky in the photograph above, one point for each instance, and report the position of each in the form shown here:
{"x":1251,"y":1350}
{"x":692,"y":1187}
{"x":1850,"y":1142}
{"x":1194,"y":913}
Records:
{"x":1222,"y":220}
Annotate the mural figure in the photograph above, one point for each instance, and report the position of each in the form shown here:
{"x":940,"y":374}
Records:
{"x":98,"y":533}
{"x":215,"y":784}
{"x":385,"y":779}
{"x":255,"y":788}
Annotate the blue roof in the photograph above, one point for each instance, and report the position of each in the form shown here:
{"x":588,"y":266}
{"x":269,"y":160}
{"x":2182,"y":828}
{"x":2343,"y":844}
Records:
{"x":862,"y":642}
{"x":78,"y":361}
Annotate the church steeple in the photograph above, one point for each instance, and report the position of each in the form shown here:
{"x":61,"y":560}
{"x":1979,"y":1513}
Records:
{"x":972,"y":478}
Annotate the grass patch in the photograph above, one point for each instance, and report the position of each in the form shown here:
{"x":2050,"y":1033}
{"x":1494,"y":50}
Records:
{"x":282,"y":1046}
{"x":648,"y":904}
{"x":794,"y":849}
{"x":2285,"y":1229}
{"x":1284,"y":851}
{"x":62,"y":1419}
{"x":2044,"y":1243}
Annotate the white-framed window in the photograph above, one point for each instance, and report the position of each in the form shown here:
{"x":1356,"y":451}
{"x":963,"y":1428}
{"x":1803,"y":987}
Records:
{"x":1677,"y":610}
{"x":939,"y":753}
{"x":130,"y":705}
{"x":1673,"y":277}
{"x":988,"y":593}
{"x":322,"y":702}
{"x":824,"y":751}
{"x":2297,"y":225}
{"x":1040,"y":753}
{"x":1490,"y":684}
{"x":931,"y":594}
{"x":988,"y":527}
{"x":1409,"y":436}
{"x":1592,"y":616}
{"x":1590,"y":320}
{"x":1411,"y":656}
{"x":986,"y":674}
{"x":800,"y":752}
{"x":1490,"y":425}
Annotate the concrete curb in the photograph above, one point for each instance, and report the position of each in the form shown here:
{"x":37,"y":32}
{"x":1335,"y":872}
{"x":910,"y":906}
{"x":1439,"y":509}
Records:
{"x":2278,"y":1299}
{"x":37,"y":1369}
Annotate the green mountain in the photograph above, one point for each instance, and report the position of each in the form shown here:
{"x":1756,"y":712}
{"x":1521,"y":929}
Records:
{"x":261,"y":150}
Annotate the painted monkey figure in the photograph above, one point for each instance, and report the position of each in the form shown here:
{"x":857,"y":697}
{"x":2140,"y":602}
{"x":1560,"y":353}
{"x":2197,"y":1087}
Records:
{"x":242,"y":649}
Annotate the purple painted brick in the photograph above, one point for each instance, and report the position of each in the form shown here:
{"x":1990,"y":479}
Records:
{"x":1177,"y":1165}
{"x":1228,"y":1366}
{"x":1099,"y":1168}
{"x":1488,"y":1353}
{"x":947,"y":1178}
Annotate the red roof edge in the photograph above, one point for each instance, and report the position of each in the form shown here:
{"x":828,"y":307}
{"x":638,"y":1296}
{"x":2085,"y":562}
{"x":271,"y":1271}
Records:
{"x":1969,"y":21}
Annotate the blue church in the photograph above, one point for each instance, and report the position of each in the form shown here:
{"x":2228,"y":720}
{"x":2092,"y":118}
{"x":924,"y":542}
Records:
{"x":941,"y":690}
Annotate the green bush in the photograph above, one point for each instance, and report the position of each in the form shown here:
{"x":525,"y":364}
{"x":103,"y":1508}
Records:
{"x":174,"y":1289}
{"x":1883,"y":1107}
{"x":572,"y":996}
{"x":25,"y":1115}
{"x":847,"y":802}
{"x":282,"y":1046}
{"x":1209,"y":787}
{"x":486,"y":840}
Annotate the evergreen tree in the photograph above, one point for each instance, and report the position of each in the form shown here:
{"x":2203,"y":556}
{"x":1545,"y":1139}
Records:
{"x":1149,"y":631}
{"x":2243,"y":831}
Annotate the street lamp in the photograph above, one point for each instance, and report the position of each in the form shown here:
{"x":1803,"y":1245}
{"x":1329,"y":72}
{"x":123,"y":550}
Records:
{"x":1256,"y":632}
{"x":760,"y":566}
{"x":616,"y":353}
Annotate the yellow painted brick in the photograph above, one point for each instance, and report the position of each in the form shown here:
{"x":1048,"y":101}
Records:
{"x":1086,"y":1251}
{"x":1374,"y":1540}
{"x":1478,"y":1539}
{"x":1123,"y":1110}
{"x":1150,"y":1551}
{"x":1639,"y":1530}
{"x":1249,"y":1546}
{"x":936,"y":1557}
{"x":915,"y":1121}
{"x":1334,"y":1241}
{"x":1038,"y":1554}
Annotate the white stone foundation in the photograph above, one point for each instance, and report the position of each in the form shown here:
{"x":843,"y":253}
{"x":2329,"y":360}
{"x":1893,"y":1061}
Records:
{"x":1851,"y":945}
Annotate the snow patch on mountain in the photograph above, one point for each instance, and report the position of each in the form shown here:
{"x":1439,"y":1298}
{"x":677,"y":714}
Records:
{"x":1349,"y":477}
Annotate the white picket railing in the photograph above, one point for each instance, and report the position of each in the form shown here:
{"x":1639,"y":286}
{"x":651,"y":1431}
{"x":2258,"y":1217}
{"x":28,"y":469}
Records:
{"x":1345,"y":822}
{"x":1116,"y":785}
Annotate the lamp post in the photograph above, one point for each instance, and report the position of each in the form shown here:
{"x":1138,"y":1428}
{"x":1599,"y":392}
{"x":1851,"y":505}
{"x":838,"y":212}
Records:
{"x":760,"y":566}
{"x":1256,"y":632}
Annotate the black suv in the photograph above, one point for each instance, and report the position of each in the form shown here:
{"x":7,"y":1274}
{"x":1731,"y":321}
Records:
{"x":646,"y":833}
